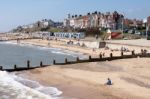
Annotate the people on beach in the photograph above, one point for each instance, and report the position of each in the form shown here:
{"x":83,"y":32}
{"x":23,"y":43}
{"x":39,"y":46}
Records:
{"x":109,"y":82}
{"x":83,"y":45}
{"x":124,"y":49}
{"x":145,"y":51}
{"x":93,"y":50}
{"x":106,"y":48}
{"x":103,"y":54}
{"x":70,"y":42}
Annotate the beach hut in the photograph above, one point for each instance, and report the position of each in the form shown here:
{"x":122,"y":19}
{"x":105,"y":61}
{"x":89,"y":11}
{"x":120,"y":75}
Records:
{"x":70,"y":35}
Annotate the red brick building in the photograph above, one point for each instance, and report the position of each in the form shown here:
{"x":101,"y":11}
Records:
{"x":133,"y":23}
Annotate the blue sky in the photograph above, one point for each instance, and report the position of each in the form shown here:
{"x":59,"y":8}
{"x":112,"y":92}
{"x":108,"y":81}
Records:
{"x":20,"y":12}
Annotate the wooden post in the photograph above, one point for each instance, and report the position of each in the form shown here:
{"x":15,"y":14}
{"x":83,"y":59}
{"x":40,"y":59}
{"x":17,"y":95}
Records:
{"x":121,"y":53}
{"x":54,"y":62}
{"x":66,"y":61}
{"x":90,"y":58}
{"x":15,"y":67}
{"x":77,"y":59}
{"x":1,"y":67}
{"x":111,"y":55}
{"x":100,"y":56}
{"x":133,"y":53}
{"x":28,"y":64}
{"x":41,"y":64}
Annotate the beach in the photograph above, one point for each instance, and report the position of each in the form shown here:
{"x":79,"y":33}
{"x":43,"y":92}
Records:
{"x":86,"y":80}
{"x":130,"y":77}
{"x":60,"y":49}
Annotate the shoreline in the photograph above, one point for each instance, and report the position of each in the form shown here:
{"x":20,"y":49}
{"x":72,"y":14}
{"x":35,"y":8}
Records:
{"x":64,"y":49}
{"x":49,"y":47}
{"x":86,"y":80}
{"x":77,"y":49}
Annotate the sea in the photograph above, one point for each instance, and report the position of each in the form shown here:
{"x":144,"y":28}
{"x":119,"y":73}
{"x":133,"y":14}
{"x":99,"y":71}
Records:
{"x":18,"y":54}
{"x":13,"y":86}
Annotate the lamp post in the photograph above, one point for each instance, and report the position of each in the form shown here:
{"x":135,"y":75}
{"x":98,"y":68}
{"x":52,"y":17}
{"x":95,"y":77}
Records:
{"x":146,"y":30}
{"x":123,"y":23}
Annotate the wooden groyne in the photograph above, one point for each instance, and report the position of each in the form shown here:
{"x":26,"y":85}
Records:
{"x":143,"y":54}
{"x":28,"y":67}
{"x":101,"y":59}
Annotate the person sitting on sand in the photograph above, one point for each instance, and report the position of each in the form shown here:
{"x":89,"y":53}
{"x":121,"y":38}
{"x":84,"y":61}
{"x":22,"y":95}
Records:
{"x":109,"y":82}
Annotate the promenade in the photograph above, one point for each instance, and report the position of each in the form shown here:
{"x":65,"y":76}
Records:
{"x":138,"y":42}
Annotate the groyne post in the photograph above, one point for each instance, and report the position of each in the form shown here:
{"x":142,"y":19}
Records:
{"x":100,"y":56}
{"x":15,"y":67}
{"x":90,"y":58}
{"x":28,"y":64}
{"x":41,"y":64}
{"x":54,"y":62}
{"x":77,"y":59}
{"x":111,"y":55}
{"x":133,"y":53}
{"x":66,"y":61}
{"x":1,"y":67}
{"x":122,"y":54}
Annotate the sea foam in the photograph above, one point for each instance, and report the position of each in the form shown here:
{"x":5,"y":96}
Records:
{"x":14,"y":87}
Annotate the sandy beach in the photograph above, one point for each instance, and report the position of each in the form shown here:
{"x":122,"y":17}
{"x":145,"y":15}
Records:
{"x":130,"y":77}
{"x":86,"y":80}
{"x":62,"y":44}
{"x":74,"y":49}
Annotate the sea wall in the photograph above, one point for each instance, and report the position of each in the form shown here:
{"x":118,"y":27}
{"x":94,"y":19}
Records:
{"x":90,"y":44}
{"x":128,"y":46}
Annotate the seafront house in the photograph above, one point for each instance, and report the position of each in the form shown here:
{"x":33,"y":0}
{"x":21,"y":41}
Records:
{"x":97,"y":19}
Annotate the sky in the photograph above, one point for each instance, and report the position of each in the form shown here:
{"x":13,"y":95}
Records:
{"x":20,"y":12}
